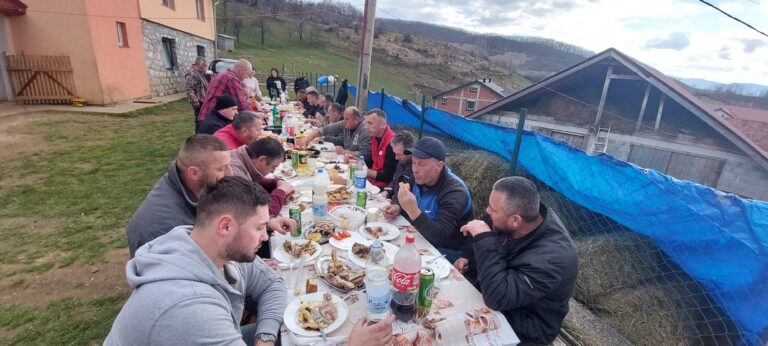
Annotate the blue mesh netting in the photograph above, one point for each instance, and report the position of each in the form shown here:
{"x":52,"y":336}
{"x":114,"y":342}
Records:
{"x":718,"y":239}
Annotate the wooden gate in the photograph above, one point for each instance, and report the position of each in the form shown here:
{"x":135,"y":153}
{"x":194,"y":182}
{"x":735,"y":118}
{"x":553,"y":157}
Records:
{"x":41,"y":79}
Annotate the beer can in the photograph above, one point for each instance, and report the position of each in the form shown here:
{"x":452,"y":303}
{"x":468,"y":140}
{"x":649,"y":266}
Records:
{"x":295,"y":214}
{"x":295,"y":159}
{"x":362,"y":198}
{"x":303,"y":158}
{"x":426,"y":284}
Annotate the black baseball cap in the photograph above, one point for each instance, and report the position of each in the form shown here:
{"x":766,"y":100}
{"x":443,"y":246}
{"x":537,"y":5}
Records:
{"x":427,"y":147}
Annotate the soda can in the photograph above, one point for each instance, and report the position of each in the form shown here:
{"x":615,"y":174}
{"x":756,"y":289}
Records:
{"x":295,"y":159}
{"x":362,"y":198}
{"x":295,"y":214}
{"x":426,"y":284}
{"x":352,"y":169}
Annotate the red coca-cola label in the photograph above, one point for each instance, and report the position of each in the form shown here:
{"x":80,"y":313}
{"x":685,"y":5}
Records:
{"x":405,"y":282}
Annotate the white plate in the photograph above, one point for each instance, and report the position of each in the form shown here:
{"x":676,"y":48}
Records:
{"x":346,"y":243}
{"x":280,"y":255}
{"x":392,"y":231}
{"x":326,"y":146}
{"x":291,"y":320}
{"x":389,"y":249}
{"x":441,"y":267}
{"x":278,"y":173}
{"x":370,"y":188}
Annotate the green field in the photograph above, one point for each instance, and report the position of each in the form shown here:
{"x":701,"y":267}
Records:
{"x":306,"y":57}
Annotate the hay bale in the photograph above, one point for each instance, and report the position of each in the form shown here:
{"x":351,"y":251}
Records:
{"x":479,"y":170}
{"x":645,"y":316}
{"x":614,"y":261}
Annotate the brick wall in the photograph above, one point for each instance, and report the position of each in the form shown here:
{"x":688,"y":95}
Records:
{"x":457,"y":99}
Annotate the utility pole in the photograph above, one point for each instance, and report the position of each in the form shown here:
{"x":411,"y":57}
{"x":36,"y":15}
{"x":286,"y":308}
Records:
{"x":366,"y":49}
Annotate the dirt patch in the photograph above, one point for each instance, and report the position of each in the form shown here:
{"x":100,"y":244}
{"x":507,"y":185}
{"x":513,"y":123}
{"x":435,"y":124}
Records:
{"x":15,"y":144}
{"x":76,"y":281}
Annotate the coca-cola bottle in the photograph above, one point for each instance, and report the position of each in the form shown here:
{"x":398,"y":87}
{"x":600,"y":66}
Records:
{"x":405,"y":280}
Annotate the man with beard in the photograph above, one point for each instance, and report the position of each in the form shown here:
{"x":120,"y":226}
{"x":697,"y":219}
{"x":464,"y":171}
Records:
{"x":202,"y":161}
{"x":522,"y":259}
{"x":190,"y":285}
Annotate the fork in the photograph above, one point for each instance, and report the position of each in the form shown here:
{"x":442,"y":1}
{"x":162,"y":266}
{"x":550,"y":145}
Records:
{"x":317,"y":318}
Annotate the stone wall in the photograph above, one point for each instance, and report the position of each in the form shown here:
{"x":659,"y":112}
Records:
{"x":163,"y":81}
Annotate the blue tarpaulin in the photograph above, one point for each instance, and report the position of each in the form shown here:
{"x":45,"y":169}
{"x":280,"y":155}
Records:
{"x":719,"y":239}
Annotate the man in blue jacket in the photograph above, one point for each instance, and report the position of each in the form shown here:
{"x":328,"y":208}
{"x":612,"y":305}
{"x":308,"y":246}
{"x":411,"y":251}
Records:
{"x":436,"y":201}
{"x":523,"y":260}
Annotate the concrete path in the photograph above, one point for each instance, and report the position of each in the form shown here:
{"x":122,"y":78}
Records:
{"x":11,"y":108}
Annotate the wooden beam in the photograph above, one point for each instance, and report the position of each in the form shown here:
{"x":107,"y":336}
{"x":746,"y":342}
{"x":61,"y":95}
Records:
{"x":661,"y":109}
{"x":602,"y":97}
{"x":642,"y":108}
{"x":625,"y":76}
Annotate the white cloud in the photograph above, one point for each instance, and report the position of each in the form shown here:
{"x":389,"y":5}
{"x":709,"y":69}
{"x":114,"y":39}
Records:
{"x":623,"y":24}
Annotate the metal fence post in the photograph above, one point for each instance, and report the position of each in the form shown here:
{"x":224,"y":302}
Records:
{"x":518,"y":140}
{"x":423,"y":115}
{"x":382,"y":99}
{"x":334,"y":88}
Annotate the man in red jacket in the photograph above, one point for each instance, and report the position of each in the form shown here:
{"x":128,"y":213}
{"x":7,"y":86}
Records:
{"x":227,"y":82}
{"x":244,"y":129}
{"x":382,"y":161}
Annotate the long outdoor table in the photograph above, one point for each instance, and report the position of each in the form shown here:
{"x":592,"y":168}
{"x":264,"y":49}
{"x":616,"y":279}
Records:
{"x":456,"y":299}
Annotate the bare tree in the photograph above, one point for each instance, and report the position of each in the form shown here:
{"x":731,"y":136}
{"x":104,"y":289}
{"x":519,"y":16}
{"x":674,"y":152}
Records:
{"x":237,"y":25}
{"x":314,"y":34}
{"x":224,"y":15}
{"x":300,"y":28}
{"x":274,"y":6}
{"x":263,"y":27}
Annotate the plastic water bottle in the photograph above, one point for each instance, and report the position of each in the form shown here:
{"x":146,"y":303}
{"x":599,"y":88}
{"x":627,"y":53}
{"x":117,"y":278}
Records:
{"x":361,"y":175}
{"x":405,"y":280}
{"x":377,"y":284}
{"x":319,"y":196}
{"x":283,"y":100}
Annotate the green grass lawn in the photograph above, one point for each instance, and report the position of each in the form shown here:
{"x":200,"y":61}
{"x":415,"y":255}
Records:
{"x":82,"y":185}
{"x":316,"y":58}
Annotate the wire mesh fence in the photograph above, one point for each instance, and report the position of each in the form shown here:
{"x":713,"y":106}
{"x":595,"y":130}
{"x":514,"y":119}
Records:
{"x":625,"y":277}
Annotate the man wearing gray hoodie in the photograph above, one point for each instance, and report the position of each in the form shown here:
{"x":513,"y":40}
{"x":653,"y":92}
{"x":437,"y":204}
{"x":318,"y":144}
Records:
{"x":190,"y":284}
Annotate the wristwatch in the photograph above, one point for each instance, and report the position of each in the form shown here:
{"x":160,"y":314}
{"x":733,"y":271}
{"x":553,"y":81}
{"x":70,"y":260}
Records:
{"x":266,"y":337}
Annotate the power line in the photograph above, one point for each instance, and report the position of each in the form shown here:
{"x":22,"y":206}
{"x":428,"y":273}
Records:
{"x":734,"y":18}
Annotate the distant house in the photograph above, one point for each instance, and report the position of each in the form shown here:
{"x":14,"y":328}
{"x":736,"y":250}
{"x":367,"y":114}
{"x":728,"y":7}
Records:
{"x":469,"y":97}
{"x":105,"y":50}
{"x":611,"y":103}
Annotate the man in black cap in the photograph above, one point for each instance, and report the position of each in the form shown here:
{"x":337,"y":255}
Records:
{"x":221,"y":115}
{"x":435,"y":200}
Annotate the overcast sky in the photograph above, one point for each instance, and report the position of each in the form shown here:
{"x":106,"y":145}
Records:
{"x":681,"y":38}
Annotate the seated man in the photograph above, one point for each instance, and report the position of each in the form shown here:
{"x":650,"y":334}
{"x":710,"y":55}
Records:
{"x":227,"y":83}
{"x":381,"y":162}
{"x":402,"y":140}
{"x":326,"y":100}
{"x":315,"y":109}
{"x":221,"y":115}
{"x":523,"y":260}
{"x":202,"y":161}
{"x":439,"y":203}
{"x":258,"y":159}
{"x":301,"y":97}
{"x":350,"y":135}
{"x":332,"y":115}
{"x":190,"y":285}
{"x":245,"y":128}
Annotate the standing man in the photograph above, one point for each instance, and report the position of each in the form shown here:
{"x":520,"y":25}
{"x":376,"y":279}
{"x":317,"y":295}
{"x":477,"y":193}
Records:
{"x":350,"y":135}
{"x":228,"y":82}
{"x":382,"y":162}
{"x":402,"y":140}
{"x":190,"y":285}
{"x":523,"y":260}
{"x":439,"y":202}
{"x":196,"y":85}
